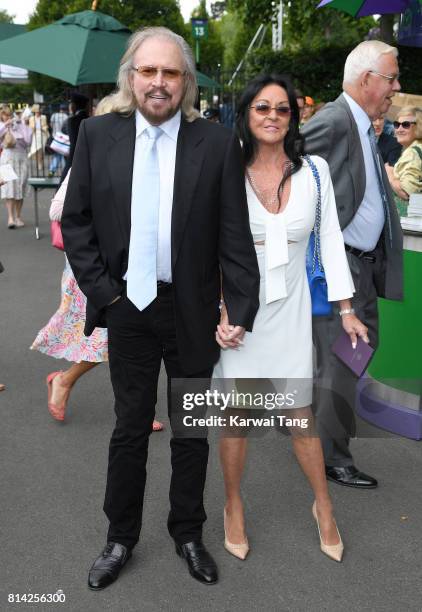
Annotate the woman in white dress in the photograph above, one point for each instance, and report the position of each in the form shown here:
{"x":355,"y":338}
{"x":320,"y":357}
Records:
{"x":39,"y":126}
{"x":15,"y":138}
{"x":282,"y":198}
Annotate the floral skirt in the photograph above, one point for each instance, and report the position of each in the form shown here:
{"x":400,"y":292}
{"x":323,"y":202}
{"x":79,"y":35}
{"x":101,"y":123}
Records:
{"x":63,"y":335}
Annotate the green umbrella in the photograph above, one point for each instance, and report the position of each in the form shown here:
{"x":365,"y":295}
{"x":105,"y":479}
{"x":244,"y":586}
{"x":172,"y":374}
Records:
{"x":206,"y":81}
{"x":80,"y":48}
{"x":7,"y":30}
{"x":11,"y":73}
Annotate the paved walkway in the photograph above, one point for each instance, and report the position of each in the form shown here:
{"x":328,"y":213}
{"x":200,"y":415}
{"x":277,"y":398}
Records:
{"x":52,"y":484}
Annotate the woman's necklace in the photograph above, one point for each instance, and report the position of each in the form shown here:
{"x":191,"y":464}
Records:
{"x":270,"y":196}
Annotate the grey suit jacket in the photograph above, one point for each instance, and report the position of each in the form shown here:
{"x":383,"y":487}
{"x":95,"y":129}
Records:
{"x":333,"y":134}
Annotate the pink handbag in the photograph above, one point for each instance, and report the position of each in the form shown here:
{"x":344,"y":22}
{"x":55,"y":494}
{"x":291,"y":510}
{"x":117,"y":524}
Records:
{"x":56,"y":235}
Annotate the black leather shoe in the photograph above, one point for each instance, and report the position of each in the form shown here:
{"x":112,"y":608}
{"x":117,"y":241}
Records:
{"x":107,"y":566}
{"x":349,"y":476}
{"x":200,"y":563}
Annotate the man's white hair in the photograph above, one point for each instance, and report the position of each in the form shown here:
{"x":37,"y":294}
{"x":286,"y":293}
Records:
{"x":366,"y":56}
{"x":124,"y":100}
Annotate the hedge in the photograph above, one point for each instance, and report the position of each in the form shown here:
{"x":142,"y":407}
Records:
{"x":320,"y":73}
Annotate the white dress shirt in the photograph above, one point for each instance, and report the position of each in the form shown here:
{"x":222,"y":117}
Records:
{"x":166,"y":148}
{"x":365,"y":228}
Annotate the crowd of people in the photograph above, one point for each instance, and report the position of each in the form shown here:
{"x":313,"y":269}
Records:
{"x":26,"y":141}
{"x":186,"y":243}
{"x":393,"y":138}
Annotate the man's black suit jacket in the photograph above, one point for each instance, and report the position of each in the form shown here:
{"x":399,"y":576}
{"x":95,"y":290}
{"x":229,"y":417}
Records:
{"x":73,"y":124}
{"x":209,"y":229}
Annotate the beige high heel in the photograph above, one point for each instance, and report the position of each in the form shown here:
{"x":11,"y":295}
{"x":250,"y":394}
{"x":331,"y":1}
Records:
{"x":237,"y":550}
{"x":334,"y":551}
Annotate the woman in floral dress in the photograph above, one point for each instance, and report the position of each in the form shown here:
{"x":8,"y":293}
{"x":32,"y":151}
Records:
{"x":63,"y":336}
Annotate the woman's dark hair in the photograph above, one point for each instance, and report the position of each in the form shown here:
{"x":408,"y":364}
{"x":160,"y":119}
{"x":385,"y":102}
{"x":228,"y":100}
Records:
{"x":293,"y":141}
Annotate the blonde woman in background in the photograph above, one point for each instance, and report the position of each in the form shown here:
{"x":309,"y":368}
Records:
{"x":15,"y":138}
{"x":63,"y":336}
{"x":406,"y":176}
{"x":39,"y":126}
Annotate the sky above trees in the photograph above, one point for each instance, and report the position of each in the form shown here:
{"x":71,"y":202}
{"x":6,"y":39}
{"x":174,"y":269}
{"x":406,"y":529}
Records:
{"x":23,"y":8}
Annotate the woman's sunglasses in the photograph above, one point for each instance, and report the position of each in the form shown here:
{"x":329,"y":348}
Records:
{"x":262,"y":108}
{"x":405,"y":124}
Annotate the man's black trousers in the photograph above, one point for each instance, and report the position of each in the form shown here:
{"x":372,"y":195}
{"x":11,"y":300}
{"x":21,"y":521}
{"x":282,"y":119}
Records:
{"x":138,"y":341}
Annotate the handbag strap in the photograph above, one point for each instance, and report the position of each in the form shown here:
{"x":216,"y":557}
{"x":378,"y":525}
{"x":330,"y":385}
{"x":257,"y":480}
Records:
{"x":418,"y":151}
{"x":316,"y":256}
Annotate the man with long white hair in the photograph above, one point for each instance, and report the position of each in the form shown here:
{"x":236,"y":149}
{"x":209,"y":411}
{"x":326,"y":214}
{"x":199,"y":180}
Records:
{"x":342,"y":133}
{"x":155,"y":225}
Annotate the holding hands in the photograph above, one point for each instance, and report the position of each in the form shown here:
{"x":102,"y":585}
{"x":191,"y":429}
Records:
{"x":228,"y":336}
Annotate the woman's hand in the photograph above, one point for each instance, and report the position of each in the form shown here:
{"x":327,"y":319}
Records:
{"x":228,"y":336}
{"x":398,"y":189}
{"x":395,"y":183}
{"x":354,"y":327}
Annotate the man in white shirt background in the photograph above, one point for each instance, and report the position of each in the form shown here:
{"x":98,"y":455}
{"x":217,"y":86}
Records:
{"x":56,"y":125}
{"x":342,"y":133}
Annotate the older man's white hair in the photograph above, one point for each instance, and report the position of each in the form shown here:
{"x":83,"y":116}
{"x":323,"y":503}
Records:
{"x":366,"y":56}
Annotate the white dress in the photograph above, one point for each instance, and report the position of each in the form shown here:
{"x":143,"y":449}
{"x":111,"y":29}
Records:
{"x":280,"y":346}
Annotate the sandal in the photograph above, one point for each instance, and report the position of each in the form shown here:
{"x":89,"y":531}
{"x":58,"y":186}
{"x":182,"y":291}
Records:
{"x":157,"y":426}
{"x":57,"y":412}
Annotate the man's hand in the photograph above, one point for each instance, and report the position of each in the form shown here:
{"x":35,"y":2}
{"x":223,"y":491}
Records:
{"x":228,"y":336}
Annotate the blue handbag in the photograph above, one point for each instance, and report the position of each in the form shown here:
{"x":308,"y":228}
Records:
{"x":314,"y":268}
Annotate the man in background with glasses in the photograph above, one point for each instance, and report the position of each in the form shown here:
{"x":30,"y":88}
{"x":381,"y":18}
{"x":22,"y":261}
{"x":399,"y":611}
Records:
{"x":342,"y":133}
{"x":155,"y":225}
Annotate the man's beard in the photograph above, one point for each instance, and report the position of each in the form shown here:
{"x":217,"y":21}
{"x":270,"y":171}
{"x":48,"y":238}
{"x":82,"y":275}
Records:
{"x":158,"y":116}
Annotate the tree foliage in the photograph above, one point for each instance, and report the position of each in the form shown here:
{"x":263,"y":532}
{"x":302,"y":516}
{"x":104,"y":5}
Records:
{"x":5,"y":17}
{"x":304,"y":26}
{"x":307,"y":26}
{"x":132,"y":13}
{"x":211,"y":49}
{"x":237,"y":32}
{"x":218,"y":9}
{"x":14,"y":93}
{"x":254,"y":12}
{"x":321,"y":76}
